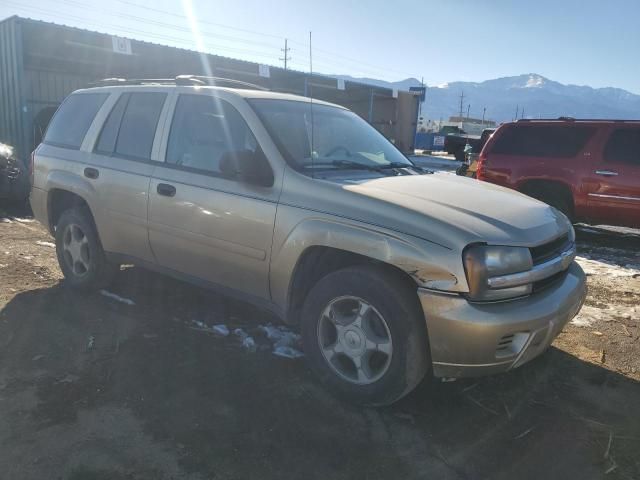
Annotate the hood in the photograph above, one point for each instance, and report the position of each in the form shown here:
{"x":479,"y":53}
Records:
{"x":455,"y":211}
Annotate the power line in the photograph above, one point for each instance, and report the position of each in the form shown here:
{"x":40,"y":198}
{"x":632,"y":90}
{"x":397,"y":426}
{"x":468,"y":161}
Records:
{"x":330,"y":62}
{"x":141,"y":32}
{"x":315,"y":49}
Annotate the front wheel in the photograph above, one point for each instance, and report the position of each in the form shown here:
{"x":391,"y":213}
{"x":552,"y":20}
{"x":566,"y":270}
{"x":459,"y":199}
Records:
{"x":364,"y":335}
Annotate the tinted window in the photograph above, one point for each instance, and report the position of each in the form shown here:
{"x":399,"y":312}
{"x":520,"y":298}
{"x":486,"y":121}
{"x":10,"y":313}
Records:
{"x":623,"y":146}
{"x":206,"y":134}
{"x":138,"y":126}
{"x":73,"y":119}
{"x":107,"y":141}
{"x":543,"y":140}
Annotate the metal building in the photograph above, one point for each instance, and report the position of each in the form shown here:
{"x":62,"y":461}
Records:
{"x":41,"y":63}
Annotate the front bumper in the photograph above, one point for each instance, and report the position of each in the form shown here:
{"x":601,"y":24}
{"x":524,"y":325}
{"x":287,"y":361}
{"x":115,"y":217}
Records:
{"x":474,"y":339}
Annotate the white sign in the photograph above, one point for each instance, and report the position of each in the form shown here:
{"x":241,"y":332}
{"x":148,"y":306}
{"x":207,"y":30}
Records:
{"x":121,"y":45}
{"x":438,"y":141}
{"x":340,"y":83}
{"x":263,"y":71}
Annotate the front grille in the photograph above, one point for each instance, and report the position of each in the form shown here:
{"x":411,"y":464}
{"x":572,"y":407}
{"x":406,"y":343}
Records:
{"x":547,"y":251}
{"x":547,"y":282}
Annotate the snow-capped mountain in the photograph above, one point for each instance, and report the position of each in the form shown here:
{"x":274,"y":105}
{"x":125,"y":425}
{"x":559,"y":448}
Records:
{"x":537,"y":95}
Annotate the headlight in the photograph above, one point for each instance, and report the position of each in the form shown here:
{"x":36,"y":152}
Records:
{"x":482,"y":262}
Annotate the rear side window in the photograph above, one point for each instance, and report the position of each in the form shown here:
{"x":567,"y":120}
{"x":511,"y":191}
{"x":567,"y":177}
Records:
{"x":73,"y":119}
{"x":623,"y":146}
{"x":109,"y":135}
{"x":131,"y":126}
{"x":543,"y":140}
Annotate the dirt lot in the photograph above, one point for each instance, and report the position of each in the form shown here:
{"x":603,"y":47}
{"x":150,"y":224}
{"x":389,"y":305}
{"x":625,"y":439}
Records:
{"x":94,"y":388}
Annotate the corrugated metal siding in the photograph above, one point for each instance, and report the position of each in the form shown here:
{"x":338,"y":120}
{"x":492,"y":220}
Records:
{"x":11,"y":120}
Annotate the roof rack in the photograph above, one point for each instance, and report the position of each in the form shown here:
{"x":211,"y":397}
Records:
{"x":572,"y":119}
{"x":179,"y":80}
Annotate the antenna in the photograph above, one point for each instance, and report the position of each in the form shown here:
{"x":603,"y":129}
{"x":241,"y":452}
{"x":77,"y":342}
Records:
{"x":311,"y":102}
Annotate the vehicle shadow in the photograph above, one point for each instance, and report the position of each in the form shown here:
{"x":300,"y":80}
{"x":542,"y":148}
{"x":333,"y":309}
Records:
{"x":221,"y":410}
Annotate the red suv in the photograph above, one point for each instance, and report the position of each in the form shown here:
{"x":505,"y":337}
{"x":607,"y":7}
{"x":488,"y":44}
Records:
{"x":587,"y":169}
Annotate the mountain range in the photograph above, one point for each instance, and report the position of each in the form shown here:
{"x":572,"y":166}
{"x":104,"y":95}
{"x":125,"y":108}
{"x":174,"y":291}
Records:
{"x":533,"y":95}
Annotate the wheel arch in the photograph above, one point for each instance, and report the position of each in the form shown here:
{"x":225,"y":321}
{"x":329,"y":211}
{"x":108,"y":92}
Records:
{"x":317,"y":247}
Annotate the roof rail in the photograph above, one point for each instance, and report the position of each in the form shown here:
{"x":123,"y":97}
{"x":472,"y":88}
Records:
{"x":179,"y":80}
{"x":215,"y":81}
{"x":572,"y":119}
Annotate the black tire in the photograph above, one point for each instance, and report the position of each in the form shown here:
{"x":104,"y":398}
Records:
{"x":459,"y":155}
{"x":391,"y":295}
{"x":98,"y":272}
{"x":555,"y":199}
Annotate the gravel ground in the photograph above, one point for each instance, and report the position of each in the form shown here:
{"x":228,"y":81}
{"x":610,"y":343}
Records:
{"x":93,"y":386}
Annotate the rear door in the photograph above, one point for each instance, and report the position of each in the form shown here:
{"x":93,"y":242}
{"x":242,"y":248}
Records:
{"x":203,"y":222}
{"x":120,"y":168}
{"x":614,"y":196}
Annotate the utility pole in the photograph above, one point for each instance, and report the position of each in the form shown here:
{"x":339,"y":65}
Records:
{"x":286,"y":54}
{"x":522,"y":113}
{"x":461,"y":103}
{"x":517,"y":108}
{"x":484,"y":110}
{"x":468,"y":108}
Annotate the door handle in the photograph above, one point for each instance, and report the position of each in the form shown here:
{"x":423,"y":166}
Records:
{"x":166,"y":189}
{"x":606,"y":173}
{"x":91,"y":173}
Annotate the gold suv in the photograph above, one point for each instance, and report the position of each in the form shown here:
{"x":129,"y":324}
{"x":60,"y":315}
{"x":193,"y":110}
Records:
{"x":299,"y":206}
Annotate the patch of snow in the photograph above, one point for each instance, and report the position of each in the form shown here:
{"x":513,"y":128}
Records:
{"x":287,"y":352}
{"x":5,"y":220}
{"x":221,"y":329}
{"x":249,"y":343}
{"x":606,"y":266}
{"x":589,"y":315}
{"x":117,"y":298}
{"x":534,"y":81}
{"x":24,"y":220}
{"x":442,"y":85}
{"x":46,"y":244}
{"x":284,"y":340}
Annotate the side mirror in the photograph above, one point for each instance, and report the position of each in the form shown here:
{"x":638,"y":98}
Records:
{"x":247,"y":166}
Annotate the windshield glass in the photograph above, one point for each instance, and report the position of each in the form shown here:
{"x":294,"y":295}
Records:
{"x":327,"y":137}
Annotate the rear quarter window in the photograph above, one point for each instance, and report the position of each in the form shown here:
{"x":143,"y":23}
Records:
{"x":73,"y":119}
{"x":543,"y":140}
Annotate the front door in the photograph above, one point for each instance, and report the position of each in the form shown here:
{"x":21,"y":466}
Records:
{"x":203,"y":221}
{"x":615,"y":198}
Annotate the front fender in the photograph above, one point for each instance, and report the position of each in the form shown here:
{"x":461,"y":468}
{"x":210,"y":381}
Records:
{"x":429,"y":264}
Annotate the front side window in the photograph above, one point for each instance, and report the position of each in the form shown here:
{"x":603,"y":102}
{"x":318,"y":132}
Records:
{"x":325,"y":137}
{"x":624,"y":146}
{"x":206,"y":134}
{"x":73,"y":119}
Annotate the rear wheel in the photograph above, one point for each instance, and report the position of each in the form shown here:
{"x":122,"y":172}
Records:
{"x":80,"y":254}
{"x":364,"y":335}
{"x":554,"y":197}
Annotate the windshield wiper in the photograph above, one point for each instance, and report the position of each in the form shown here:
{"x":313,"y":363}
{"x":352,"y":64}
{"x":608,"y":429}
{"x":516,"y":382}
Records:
{"x":397,"y":165}
{"x":345,"y":164}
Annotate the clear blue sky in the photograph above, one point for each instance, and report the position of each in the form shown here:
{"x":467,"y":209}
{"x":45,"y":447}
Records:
{"x":584,"y":42}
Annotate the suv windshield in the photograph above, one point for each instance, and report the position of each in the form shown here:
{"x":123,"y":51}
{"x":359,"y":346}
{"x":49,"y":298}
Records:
{"x":326,"y":137}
